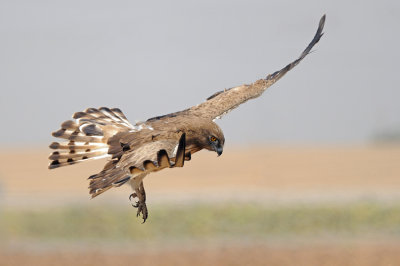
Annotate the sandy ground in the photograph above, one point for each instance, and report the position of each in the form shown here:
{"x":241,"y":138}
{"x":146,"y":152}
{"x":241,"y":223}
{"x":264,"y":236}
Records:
{"x":266,"y":174}
{"x":368,"y":254}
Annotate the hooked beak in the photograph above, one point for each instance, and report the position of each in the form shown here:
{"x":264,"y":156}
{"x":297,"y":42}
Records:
{"x":217,"y":147}
{"x":219,"y":150}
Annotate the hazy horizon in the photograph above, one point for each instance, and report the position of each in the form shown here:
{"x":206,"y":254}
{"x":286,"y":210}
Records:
{"x":61,"y":57}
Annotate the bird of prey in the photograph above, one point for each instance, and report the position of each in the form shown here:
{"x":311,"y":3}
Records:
{"x":135,"y":150}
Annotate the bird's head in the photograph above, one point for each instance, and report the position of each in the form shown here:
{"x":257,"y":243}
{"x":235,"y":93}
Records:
{"x":215,"y":143}
{"x":205,"y":135}
{"x":213,"y":138}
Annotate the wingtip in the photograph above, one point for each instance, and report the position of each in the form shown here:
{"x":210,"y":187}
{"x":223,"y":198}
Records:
{"x":54,"y":145}
{"x":54,"y":164}
{"x":322,"y":22}
{"x":58,"y":133}
{"x":180,"y":154}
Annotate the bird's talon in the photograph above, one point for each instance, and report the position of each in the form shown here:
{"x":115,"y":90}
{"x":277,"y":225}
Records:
{"x":141,"y":210}
{"x":140,"y":194}
{"x":133,"y":195}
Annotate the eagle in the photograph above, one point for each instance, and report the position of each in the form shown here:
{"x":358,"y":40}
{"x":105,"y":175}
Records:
{"x":167,"y":141}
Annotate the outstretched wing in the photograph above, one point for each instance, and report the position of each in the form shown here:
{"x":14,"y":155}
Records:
{"x":87,"y":135}
{"x":224,"y":101}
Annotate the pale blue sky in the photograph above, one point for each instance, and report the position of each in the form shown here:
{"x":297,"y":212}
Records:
{"x":154,"y":57}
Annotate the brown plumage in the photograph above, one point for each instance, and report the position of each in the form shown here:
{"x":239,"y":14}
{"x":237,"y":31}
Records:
{"x":161,"y":142}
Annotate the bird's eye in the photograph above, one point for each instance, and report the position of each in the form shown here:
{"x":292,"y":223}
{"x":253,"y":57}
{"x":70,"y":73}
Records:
{"x":213,"y":139}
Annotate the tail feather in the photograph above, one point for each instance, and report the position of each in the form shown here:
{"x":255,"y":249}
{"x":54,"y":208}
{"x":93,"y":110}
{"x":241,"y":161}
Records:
{"x":87,"y":136}
{"x":75,"y":155}
{"x":77,"y":135}
{"x":76,"y":146}
{"x":57,"y":163}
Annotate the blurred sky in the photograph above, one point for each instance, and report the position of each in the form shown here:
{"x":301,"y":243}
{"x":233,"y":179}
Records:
{"x":154,"y":57}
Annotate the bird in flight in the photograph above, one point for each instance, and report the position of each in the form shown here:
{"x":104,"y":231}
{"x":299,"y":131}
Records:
{"x":135,"y":150}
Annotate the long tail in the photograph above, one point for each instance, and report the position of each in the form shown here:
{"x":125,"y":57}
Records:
{"x":87,"y":136}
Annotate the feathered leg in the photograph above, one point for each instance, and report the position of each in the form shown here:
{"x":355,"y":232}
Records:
{"x":140,"y":194}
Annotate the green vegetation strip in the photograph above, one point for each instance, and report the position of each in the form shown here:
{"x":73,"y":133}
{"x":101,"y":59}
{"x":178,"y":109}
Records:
{"x":200,"y":221}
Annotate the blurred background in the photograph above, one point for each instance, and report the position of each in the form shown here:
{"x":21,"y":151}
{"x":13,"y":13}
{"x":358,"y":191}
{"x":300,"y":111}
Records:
{"x":310,"y":173}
